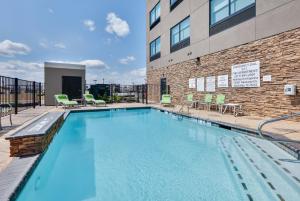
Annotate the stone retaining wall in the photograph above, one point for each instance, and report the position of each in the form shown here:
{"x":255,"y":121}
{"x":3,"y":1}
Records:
{"x":31,"y":145}
{"x":279,"y":56}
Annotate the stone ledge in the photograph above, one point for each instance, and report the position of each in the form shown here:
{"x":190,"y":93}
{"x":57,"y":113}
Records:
{"x":35,"y":138}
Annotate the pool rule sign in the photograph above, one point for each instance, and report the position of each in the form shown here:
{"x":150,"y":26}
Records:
{"x":246,"y":75}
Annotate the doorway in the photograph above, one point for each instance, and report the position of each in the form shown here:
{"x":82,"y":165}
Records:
{"x":72,"y":86}
{"x":163,"y":86}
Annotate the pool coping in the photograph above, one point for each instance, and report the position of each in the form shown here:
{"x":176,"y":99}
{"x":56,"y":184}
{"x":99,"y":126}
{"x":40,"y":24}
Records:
{"x":15,"y":176}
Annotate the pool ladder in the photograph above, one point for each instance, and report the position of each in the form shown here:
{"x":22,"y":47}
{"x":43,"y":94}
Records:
{"x":283,"y":117}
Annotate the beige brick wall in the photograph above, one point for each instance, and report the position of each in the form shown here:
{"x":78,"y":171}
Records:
{"x":279,"y":56}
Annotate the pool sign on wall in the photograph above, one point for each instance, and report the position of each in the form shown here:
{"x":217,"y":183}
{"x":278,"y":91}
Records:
{"x":211,"y":84}
{"x":223,"y":81}
{"x":192,"y":83}
{"x":200,"y":84}
{"x":246,"y":75}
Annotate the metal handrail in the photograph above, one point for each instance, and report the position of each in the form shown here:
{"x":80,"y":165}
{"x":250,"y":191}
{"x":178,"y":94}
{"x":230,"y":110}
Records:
{"x":284,"y":117}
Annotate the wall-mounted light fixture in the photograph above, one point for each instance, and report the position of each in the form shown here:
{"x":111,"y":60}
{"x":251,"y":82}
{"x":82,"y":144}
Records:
{"x":198,"y":61}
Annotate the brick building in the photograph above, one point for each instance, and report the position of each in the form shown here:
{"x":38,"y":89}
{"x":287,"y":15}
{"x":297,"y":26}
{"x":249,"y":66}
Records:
{"x":248,"y":50}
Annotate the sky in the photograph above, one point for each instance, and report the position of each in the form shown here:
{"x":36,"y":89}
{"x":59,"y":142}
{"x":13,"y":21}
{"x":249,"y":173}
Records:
{"x":108,"y":36}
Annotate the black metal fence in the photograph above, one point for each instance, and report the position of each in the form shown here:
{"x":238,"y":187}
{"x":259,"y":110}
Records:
{"x":116,"y":93}
{"x":20,"y":94}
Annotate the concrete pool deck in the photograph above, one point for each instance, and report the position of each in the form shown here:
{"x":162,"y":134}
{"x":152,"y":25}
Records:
{"x":287,"y":129}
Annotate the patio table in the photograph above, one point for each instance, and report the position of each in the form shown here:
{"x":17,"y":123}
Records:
{"x":80,"y":101}
{"x":234,"y":107}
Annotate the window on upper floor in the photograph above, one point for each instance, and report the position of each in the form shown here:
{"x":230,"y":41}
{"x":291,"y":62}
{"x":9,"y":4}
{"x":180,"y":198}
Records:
{"x":227,"y":13}
{"x":180,"y":35}
{"x":174,"y":4}
{"x":155,"y":49}
{"x":155,"y":15}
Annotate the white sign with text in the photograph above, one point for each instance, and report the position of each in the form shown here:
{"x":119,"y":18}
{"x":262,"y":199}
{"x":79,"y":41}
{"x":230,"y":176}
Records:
{"x":267,"y":78}
{"x":223,"y":81}
{"x":200,"y":84}
{"x":246,"y":75}
{"x":192,"y":83}
{"x":211,"y":84}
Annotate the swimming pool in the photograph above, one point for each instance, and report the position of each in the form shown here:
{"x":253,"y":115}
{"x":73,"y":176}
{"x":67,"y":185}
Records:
{"x":146,"y":154}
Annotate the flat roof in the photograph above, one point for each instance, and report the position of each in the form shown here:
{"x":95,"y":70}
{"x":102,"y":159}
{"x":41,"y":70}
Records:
{"x":64,"y":65}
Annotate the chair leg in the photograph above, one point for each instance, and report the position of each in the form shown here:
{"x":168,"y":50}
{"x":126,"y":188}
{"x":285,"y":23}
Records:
{"x":10,"y":119}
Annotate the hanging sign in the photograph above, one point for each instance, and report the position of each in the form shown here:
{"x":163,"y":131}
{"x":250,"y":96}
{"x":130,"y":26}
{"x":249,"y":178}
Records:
{"x":200,"y":84}
{"x":246,"y":75}
{"x":211,"y":84}
{"x":223,"y":81}
{"x":192,"y":83}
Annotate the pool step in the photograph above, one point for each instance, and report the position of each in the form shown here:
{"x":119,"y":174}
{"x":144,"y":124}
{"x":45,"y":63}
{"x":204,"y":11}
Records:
{"x":245,"y":175}
{"x":283,"y":186}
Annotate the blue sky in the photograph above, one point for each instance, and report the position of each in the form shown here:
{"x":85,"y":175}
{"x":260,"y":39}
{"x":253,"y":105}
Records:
{"x":109,"y":36}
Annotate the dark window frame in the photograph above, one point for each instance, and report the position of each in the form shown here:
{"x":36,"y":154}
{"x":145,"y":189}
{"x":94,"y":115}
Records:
{"x":233,"y":19}
{"x":156,"y":22}
{"x":157,"y":54}
{"x":182,"y":43}
{"x":174,"y":5}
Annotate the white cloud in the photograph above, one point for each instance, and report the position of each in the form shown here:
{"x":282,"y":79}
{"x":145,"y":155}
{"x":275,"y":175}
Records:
{"x":90,"y":24}
{"x":127,"y":59}
{"x":140,"y":72}
{"x":50,"y":10}
{"x":92,"y":63}
{"x":60,"y":45}
{"x":43,"y":44}
{"x":10,"y":49}
{"x":136,"y":76}
{"x":96,"y":70}
{"x":117,"y":25}
{"x":24,"y":70}
{"x":48,"y":44}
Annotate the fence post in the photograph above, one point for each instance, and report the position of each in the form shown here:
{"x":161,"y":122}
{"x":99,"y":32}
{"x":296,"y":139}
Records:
{"x":40,"y":94}
{"x":33,"y":98}
{"x":143,"y":94}
{"x":146,"y":89}
{"x":138,"y":93}
{"x":16,"y":95}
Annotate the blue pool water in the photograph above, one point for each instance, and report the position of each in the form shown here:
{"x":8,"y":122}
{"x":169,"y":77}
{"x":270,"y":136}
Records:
{"x":148,"y":155}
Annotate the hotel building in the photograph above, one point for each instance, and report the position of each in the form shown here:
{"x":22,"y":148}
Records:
{"x":245,"y":49}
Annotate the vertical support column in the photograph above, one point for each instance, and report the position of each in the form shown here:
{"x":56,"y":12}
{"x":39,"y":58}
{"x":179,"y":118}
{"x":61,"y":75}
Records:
{"x":16,"y":95}
{"x":40,"y":94}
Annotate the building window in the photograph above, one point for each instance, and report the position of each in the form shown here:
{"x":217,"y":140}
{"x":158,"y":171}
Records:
{"x":227,"y":13}
{"x":155,"y":15}
{"x":180,"y":35}
{"x":174,"y":4}
{"x":155,"y":49}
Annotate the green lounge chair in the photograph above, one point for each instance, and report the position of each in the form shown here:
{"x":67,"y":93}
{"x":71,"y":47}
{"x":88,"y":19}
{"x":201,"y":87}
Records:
{"x":62,"y":99}
{"x":207,"y":101}
{"x":166,"y":100}
{"x":220,"y":101}
{"x":190,"y":102}
{"x":89,"y":99}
